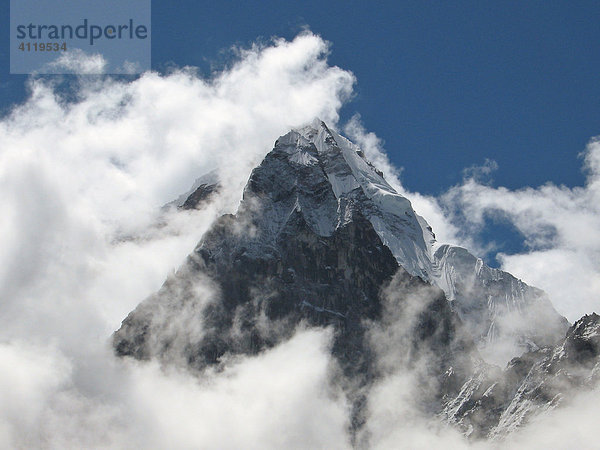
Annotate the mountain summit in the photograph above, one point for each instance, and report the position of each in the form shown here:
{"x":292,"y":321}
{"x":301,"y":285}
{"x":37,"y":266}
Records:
{"x":322,"y":239}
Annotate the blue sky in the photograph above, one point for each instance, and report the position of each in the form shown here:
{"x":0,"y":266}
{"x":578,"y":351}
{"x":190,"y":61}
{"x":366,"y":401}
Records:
{"x":444,"y":84}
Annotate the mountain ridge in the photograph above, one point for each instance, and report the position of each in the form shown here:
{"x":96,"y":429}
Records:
{"x":321,"y":239}
{"x":512,"y":311}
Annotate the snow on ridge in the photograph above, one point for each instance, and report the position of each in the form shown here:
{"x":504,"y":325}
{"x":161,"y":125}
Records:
{"x":318,"y":156}
{"x":393,"y":218}
{"x":464,"y":278}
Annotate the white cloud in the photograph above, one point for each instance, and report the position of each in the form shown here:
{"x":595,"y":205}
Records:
{"x":277,"y":400}
{"x":574,"y":425}
{"x":559,"y":225}
{"x":396,"y":422}
{"x":481,"y":172}
{"x":76,"y":61}
{"x":82,"y":181}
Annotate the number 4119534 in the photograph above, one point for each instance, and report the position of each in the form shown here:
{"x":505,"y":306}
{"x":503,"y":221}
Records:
{"x":42,"y":47}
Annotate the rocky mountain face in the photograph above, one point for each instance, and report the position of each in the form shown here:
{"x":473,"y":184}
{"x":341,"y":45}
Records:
{"x":493,"y":403}
{"x":321,"y":239}
{"x":202,"y":191}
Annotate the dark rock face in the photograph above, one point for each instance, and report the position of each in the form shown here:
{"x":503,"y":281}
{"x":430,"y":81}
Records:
{"x":272,"y":271}
{"x":200,"y":196}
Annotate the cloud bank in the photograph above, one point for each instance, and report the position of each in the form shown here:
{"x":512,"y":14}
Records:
{"x":84,"y":171}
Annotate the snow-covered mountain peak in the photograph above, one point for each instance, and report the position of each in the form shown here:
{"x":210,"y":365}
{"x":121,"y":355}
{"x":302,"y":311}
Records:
{"x":318,"y":179}
{"x":315,"y":172}
{"x":321,"y":239}
{"x":318,"y":159}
